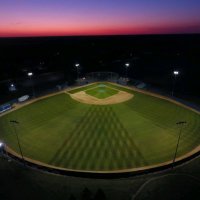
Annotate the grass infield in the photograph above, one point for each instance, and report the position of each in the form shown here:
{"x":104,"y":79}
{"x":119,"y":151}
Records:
{"x":63,"y":132}
{"x":101,"y":91}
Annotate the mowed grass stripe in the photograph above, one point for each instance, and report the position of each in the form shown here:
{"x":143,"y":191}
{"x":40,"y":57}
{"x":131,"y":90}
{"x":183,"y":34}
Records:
{"x":73,"y":141}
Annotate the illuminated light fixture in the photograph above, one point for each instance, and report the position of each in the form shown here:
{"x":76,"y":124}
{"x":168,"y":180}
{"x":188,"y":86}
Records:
{"x":127,"y":64}
{"x":1,"y":144}
{"x":30,"y":74}
{"x":176,"y":72}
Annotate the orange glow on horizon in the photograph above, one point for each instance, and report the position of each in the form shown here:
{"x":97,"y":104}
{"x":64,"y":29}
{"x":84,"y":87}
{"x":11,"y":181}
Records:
{"x":90,"y":30}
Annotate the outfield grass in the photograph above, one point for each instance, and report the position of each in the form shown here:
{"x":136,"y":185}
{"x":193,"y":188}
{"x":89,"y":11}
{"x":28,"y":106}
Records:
{"x":101,"y":91}
{"x":136,"y":133}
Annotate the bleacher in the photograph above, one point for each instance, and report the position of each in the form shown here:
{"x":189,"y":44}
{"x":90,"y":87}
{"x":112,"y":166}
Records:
{"x":5,"y":107}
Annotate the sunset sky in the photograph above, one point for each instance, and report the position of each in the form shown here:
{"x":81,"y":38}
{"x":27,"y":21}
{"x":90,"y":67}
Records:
{"x":98,"y":17}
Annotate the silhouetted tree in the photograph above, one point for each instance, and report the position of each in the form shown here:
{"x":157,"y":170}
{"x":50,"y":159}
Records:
{"x":100,"y":195}
{"x":72,"y":197}
{"x":86,"y":195}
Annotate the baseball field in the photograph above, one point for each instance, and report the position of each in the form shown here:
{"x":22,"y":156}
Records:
{"x":101,"y":127}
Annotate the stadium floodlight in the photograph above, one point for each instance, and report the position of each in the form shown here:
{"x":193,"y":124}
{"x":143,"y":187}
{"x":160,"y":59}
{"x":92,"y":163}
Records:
{"x":12,"y":87}
{"x":30,"y":74}
{"x":175,"y":73}
{"x":181,"y":124}
{"x":127,"y":64}
{"x":77,"y":65}
{"x":1,"y":144}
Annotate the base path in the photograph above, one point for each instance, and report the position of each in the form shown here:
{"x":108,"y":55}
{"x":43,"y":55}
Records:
{"x":120,"y":97}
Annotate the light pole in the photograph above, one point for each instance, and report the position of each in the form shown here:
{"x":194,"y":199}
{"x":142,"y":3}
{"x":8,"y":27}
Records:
{"x":127,"y":65}
{"x":14,"y":122}
{"x":3,"y":149}
{"x":1,"y":146}
{"x":77,"y":65}
{"x":181,"y":124}
{"x":175,"y":74}
{"x":12,"y":87}
{"x":30,"y":74}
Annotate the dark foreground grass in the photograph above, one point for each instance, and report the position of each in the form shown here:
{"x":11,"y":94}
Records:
{"x":170,"y":186}
{"x":18,"y":182}
{"x":65,"y":133}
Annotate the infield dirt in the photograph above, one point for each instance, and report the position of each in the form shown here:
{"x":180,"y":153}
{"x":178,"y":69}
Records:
{"x":120,"y":97}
